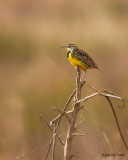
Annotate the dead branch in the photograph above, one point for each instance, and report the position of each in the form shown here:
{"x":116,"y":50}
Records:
{"x":54,"y":142}
{"x":87,"y":97}
{"x":108,"y":95}
{"x":101,"y":93}
{"x":45,"y":122}
{"x":117,"y":122}
{"x":48,"y":151}
{"x":30,"y":153}
{"x":58,"y":118}
{"x":58,"y":110}
{"x":72,"y":120}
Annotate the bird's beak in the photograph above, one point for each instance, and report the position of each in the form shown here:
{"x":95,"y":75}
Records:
{"x":63,"y":47}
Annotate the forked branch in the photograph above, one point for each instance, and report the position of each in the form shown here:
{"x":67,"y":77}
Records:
{"x":72,"y":120}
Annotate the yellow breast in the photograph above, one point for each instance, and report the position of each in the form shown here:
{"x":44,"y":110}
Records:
{"x":75,"y":62}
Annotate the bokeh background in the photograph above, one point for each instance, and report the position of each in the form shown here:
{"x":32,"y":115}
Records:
{"x":35,"y":74}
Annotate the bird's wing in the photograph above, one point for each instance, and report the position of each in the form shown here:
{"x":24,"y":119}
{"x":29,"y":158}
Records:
{"x":85,"y":59}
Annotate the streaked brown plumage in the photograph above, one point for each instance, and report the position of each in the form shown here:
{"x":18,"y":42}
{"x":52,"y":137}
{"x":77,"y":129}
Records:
{"x":79,"y":58}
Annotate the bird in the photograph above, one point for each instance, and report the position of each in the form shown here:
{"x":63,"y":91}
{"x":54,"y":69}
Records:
{"x":79,"y":58}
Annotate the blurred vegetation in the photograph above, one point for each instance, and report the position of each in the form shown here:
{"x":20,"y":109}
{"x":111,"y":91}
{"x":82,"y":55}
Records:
{"x":35,"y":74}
{"x":16,"y":48}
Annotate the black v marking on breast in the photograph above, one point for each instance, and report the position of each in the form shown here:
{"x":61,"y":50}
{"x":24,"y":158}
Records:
{"x":68,"y":54}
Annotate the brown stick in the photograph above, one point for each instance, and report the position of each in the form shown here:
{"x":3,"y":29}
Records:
{"x":108,"y":95}
{"x":45,"y":122}
{"x":117,"y":122}
{"x":58,"y":118}
{"x":50,"y":144}
{"x":72,"y":120}
{"x":30,"y":153}
{"x":71,"y":131}
{"x":54,"y":142}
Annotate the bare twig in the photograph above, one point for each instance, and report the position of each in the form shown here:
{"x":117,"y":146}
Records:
{"x":117,"y":122}
{"x":78,"y":133}
{"x":87,"y":97}
{"x":93,"y":88}
{"x":108,"y":95}
{"x":72,"y":120}
{"x":82,"y":76}
{"x":44,"y":121}
{"x":57,"y":109}
{"x":81,"y":119}
{"x":49,"y":147}
{"x":107,"y":141}
{"x":101,"y":93}
{"x":30,"y":153}
{"x":58,"y":118}
{"x":54,"y":142}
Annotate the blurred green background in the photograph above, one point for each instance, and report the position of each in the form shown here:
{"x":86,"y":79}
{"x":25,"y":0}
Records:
{"x":35,"y":74}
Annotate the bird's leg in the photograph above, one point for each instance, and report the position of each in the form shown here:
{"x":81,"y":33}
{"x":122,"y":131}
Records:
{"x":82,"y":76}
{"x":78,"y":88}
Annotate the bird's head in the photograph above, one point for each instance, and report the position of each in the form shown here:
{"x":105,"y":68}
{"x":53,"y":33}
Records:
{"x":70,"y":47}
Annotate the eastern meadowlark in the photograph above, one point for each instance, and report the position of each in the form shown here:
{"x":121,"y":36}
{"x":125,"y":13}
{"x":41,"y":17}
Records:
{"x":79,"y":58}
